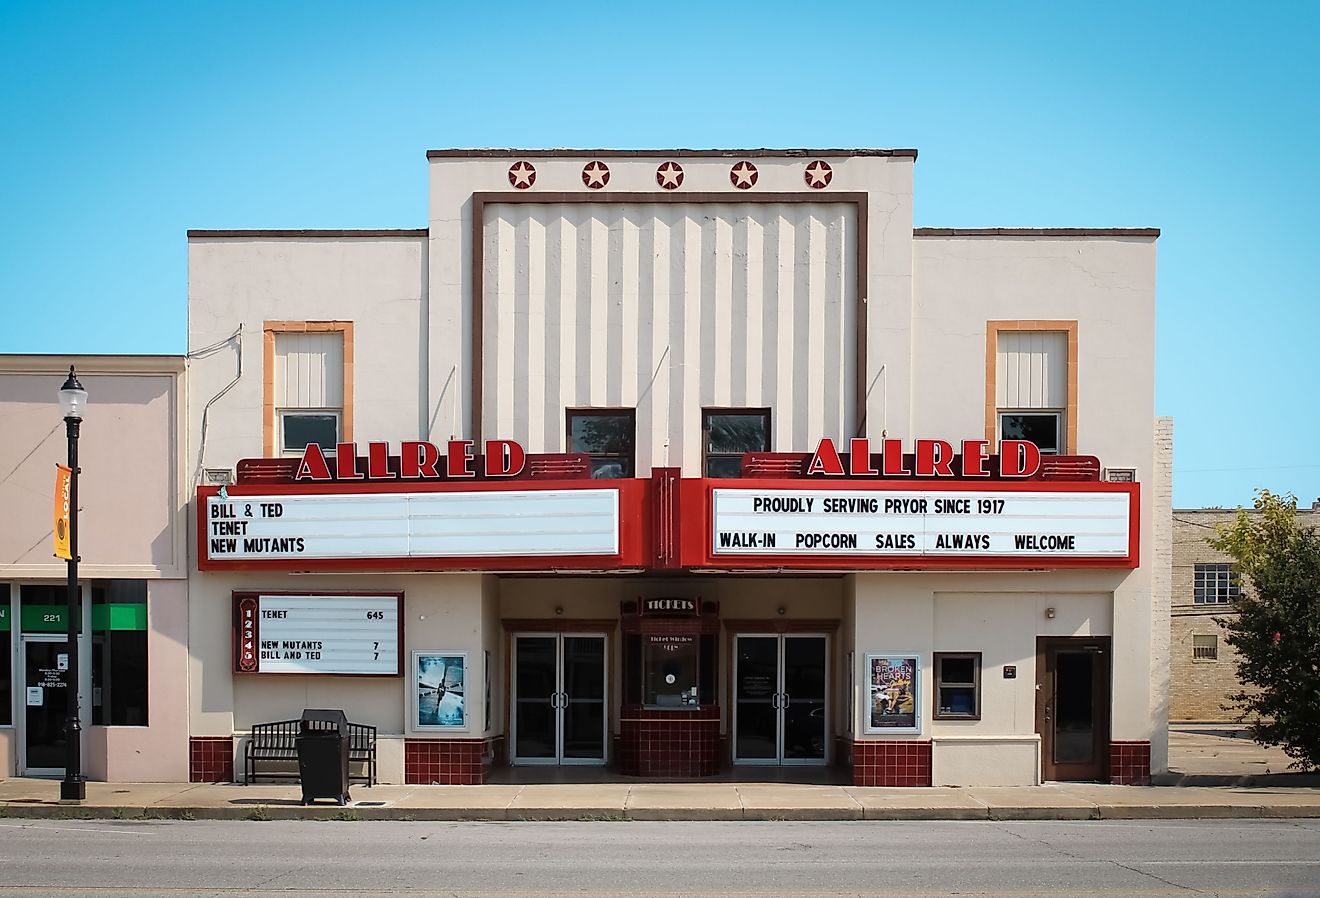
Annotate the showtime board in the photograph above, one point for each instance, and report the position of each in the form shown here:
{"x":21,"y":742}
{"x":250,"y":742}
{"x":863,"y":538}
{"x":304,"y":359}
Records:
{"x":286,"y":633}
{"x":486,"y":524}
{"x":963,"y":523}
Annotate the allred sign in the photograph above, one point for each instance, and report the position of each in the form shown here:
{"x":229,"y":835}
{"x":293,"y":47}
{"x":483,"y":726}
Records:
{"x":1017,"y":459}
{"x":418,"y":460}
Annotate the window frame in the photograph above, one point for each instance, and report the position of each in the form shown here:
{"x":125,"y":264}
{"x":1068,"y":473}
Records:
{"x":1060,"y":426}
{"x":281,"y":413}
{"x":620,"y":412}
{"x":940,"y":684}
{"x":1206,"y":575}
{"x":1198,"y":653}
{"x":272,"y":437}
{"x":716,"y":411}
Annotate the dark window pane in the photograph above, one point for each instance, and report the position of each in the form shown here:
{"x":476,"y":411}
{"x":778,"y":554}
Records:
{"x":724,"y":466}
{"x":957,"y":670}
{"x":957,"y":700}
{"x":611,"y":468}
{"x":119,"y":652}
{"x":601,"y":434}
{"x":707,"y":670}
{"x":1040,"y":428}
{"x":669,"y":671}
{"x":632,"y":670}
{"x":6,"y":668}
{"x":738,"y":433}
{"x":301,"y":429}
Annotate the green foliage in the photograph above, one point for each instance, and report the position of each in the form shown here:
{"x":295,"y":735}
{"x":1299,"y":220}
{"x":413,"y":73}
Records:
{"x":1277,"y":628}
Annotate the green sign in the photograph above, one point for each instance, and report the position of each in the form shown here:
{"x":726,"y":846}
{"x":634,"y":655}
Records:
{"x":44,"y":619}
{"x":119,"y":617}
{"x":50,"y":618}
{"x":4,"y":619}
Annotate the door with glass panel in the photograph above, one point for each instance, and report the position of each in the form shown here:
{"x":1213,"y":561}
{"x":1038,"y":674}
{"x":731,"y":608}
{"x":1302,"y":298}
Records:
{"x":46,"y":704}
{"x":780,"y":706}
{"x":1073,"y":707}
{"x":559,"y":698}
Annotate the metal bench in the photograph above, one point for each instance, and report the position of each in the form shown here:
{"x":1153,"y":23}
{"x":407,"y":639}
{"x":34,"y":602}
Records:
{"x":275,"y":742}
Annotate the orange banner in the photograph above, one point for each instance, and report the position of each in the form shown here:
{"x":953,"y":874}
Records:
{"x":63,"y":477}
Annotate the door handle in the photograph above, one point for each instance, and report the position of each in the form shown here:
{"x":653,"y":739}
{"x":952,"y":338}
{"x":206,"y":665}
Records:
{"x":786,"y":700}
{"x":563,"y":699}
{"x":774,"y":700}
{"x":554,"y":699}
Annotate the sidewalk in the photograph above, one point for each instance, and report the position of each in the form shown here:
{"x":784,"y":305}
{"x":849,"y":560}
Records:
{"x":24,"y":797}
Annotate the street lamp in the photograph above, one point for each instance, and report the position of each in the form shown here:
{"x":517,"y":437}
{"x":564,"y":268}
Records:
{"x":73,"y":399}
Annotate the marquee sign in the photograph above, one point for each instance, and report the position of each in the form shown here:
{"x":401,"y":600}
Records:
{"x":318,"y":633}
{"x":449,"y":524}
{"x":911,"y":522}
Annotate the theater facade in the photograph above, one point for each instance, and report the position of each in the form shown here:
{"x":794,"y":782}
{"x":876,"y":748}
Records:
{"x":681,"y":463}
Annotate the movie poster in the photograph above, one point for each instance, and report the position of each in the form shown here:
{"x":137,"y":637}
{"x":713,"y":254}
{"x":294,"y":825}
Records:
{"x":439,"y":702}
{"x":893,"y":684}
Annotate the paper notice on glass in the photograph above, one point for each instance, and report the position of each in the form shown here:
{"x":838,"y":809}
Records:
{"x":35,"y":696}
{"x":62,"y":661}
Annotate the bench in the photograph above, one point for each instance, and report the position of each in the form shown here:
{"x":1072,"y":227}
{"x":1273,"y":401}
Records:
{"x":277,"y":742}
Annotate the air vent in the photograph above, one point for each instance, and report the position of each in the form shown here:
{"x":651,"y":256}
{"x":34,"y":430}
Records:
{"x":216,"y":476}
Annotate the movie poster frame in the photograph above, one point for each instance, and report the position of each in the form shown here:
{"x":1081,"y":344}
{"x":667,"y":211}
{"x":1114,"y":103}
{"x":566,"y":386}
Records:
{"x":918,"y":689}
{"x":414,"y":681}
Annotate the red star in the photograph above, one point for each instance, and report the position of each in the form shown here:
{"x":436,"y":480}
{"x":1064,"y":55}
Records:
{"x":818,"y":174}
{"x":743,"y":175}
{"x":595,"y":175}
{"x":522,"y":175}
{"x":669,"y":176}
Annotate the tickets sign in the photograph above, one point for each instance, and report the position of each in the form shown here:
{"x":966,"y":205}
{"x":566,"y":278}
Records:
{"x":960,"y":523}
{"x":345,"y":634}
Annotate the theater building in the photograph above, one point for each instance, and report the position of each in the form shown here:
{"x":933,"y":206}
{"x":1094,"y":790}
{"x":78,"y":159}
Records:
{"x":681,"y":463}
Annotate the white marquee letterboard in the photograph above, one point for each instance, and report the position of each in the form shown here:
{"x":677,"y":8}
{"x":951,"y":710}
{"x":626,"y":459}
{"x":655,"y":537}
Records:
{"x":310,"y":633}
{"x":962,"y":523}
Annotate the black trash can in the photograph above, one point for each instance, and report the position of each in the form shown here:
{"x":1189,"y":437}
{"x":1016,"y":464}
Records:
{"x":322,"y":744}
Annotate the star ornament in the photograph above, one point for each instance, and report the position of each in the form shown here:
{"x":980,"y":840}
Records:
{"x":595,"y":174}
{"x":669,"y":176}
{"x":743,"y":175}
{"x":522,"y":175}
{"x":818,"y":174}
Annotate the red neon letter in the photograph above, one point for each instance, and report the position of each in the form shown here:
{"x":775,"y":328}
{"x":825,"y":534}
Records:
{"x":504,"y":458}
{"x":974,"y":454}
{"x":458,"y":461}
{"x":418,"y":459}
{"x":346,"y":462}
{"x":893,"y":459}
{"x":1018,"y":458}
{"x":378,"y":461}
{"x":859,"y":458}
{"x":826,"y":460}
{"x":934,"y":458}
{"x":313,"y":466}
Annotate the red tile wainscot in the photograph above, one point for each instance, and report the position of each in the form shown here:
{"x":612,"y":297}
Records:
{"x":449,"y":762}
{"x":663,"y":742}
{"x":211,"y":759}
{"x":1129,"y":763}
{"x":891,"y":763}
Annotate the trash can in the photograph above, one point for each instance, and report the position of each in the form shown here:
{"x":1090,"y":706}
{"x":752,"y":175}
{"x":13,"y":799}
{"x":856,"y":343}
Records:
{"x":322,"y":744}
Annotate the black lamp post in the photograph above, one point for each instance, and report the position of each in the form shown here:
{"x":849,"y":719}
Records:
{"x":73,"y":399}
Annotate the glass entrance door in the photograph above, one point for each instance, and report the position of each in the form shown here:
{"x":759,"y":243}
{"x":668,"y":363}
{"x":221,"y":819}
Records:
{"x":46,"y":704}
{"x":780,"y":699}
{"x":559,"y":699}
{"x":1073,"y":707}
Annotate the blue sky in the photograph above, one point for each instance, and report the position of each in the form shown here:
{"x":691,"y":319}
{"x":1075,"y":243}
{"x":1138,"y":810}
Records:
{"x":126,"y":124}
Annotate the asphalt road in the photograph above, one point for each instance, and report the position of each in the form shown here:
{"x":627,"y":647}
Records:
{"x":172,"y":858}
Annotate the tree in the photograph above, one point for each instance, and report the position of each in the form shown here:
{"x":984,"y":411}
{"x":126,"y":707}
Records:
{"x":1277,"y":627}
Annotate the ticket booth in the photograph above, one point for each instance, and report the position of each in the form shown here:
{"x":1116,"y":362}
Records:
{"x":669,"y":719}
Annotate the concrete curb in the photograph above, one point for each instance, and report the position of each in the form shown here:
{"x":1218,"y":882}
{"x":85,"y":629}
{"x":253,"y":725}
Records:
{"x":333,"y":813}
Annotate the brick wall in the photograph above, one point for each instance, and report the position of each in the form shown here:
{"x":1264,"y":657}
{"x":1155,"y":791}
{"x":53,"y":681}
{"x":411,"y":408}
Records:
{"x":1198,"y":690}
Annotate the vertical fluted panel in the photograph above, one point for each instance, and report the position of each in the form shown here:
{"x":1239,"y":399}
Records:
{"x":669,"y":308}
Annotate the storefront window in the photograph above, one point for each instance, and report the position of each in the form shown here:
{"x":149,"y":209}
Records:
{"x":669,"y":666}
{"x":6,"y":660}
{"x":119,"y":653}
{"x":958,"y":686}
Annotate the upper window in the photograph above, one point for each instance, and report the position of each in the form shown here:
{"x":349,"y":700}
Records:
{"x":1215,"y":584}
{"x":608,"y":436}
{"x":728,"y":433}
{"x":957,"y":685}
{"x":308,"y":389}
{"x":1032,"y":387}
